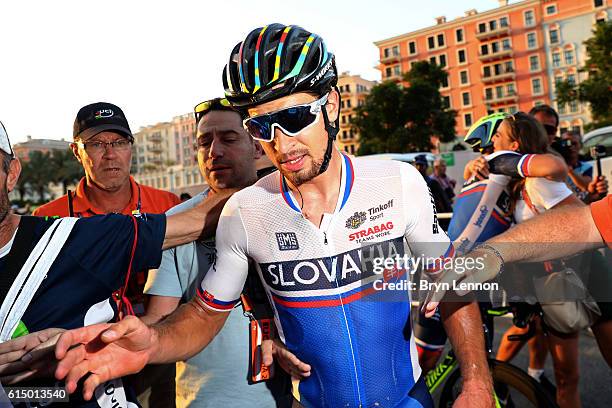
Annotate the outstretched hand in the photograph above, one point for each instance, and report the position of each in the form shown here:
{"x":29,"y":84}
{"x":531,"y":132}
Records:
{"x":478,"y":266}
{"x":275,"y":350}
{"x":28,"y":357}
{"x":104,"y":351}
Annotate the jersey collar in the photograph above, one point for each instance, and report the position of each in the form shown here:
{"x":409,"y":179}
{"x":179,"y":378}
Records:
{"x":346,"y":185}
{"x":82,"y":205}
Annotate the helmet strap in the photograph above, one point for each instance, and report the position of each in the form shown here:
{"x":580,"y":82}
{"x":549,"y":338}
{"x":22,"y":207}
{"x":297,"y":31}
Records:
{"x":332,"y":131}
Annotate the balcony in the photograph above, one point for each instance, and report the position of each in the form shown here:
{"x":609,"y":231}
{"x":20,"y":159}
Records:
{"x":498,"y":32}
{"x":155,"y":148}
{"x":496,"y":55}
{"x":495,"y":100}
{"x":390,"y":59}
{"x":501,"y":77}
{"x":155,"y":137}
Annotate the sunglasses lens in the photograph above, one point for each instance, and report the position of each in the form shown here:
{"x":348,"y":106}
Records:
{"x":259,"y":128}
{"x":295,"y":119}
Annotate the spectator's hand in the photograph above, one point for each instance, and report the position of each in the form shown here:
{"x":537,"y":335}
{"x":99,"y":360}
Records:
{"x":478,"y":266}
{"x":274,"y":350}
{"x":479,"y":167}
{"x":598,"y":188}
{"x":104,"y":351}
{"x":28,"y":357}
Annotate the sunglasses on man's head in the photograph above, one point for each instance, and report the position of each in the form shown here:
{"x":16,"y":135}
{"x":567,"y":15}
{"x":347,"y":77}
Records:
{"x":203,"y":108}
{"x":291,"y":121}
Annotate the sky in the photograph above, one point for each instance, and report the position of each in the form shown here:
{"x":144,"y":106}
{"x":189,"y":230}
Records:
{"x":157,"y":59}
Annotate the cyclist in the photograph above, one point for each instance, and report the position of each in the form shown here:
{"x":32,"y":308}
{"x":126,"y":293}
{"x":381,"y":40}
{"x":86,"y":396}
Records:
{"x":311,"y":229}
{"x":482,"y":210}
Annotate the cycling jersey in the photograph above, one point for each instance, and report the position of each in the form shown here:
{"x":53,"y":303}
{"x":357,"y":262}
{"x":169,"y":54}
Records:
{"x":331,"y":309}
{"x":482,"y":209}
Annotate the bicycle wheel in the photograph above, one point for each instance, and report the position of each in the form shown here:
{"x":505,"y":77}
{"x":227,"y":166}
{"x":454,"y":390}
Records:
{"x":513,"y":388}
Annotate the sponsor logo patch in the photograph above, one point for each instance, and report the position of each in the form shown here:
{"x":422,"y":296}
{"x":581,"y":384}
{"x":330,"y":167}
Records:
{"x":356,"y":220}
{"x":287,"y":241}
{"x":104,"y":113}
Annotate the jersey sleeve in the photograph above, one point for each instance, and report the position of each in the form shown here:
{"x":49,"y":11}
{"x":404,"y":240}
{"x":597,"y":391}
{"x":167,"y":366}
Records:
{"x":423,"y":233}
{"x":546,"y":193}
{"x":221,"y":287}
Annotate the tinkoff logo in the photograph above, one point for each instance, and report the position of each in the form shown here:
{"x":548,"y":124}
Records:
{"x":104,"y":113}
{"x":356,"y":220}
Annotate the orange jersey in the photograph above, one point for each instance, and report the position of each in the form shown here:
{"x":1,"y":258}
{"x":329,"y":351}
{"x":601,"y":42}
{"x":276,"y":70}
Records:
{"x":602,"y":215}
{"x":151,"y":201}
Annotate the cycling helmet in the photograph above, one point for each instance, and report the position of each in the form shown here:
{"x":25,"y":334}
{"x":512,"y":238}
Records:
{"x":480,"y":135}
{"x":275,"y":61}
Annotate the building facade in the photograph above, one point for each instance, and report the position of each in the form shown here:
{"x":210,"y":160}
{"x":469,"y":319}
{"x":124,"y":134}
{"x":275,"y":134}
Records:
{"x":506,"y":59}
{"x":353,"y":90}
{"x":22,"y":150}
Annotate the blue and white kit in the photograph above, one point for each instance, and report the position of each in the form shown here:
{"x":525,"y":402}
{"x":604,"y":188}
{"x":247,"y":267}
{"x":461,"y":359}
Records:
{"x":331,"y":309}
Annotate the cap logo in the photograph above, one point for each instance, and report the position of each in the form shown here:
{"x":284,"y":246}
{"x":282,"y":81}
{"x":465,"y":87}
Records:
{"x":104,"y":113}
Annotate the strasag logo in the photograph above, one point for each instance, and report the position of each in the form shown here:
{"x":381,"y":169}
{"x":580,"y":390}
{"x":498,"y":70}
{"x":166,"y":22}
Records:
{"x":356,"y":220}
{"x":287,"y":241}
{"x":104,"y":113}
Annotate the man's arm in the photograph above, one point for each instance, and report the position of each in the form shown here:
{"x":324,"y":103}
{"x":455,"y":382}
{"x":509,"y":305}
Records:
{"x":463,"y":325}
{"x":200,"y":221}
{"x":159,"y":307}
{"x":558,"y":233}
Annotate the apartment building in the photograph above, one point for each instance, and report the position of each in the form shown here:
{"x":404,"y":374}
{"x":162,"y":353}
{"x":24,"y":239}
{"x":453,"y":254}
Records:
{"x":353,"y":90}
{"x":22,"y":150}
{"x":505,"y":59}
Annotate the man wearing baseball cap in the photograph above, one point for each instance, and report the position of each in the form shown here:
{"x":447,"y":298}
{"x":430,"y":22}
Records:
{"x":103,"y":145}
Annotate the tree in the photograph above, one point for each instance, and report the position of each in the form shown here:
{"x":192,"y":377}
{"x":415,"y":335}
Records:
{"x":403,"y":119}
{"x":40,"y":173}
{"x":66,"y":168}
{"x":597,"y":88}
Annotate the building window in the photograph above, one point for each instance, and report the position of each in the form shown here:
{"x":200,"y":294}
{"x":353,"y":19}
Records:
{"x":444,"y":82}
{"x":341,"y":104}
{"x":573,"y":105}
{"x":534,"y":63}
{"x":431,"y":43}
{"x":531,"y":41}
{"x":598,"y":3}
{"x":343,"y":119}
{"x":509,"y":66}
{"x":348,"y":103}
{"x":536,"y":86}
{"x":499,"y":91}
{"x":506,"y":44}
{"x":503,"y":22}
{"x":344,"y":135}
{"x":513,"y":109}
{"x":552,"y":9}
{"x":459,"y":35}
{"x":486,"y":71}
{"x":488,"y":94}
{"x":463,"y":77}
{"x":446,"y":102}
{"x":440,"y":40}
{"x":442,"y":59}
{"x":387,"y":72}
{"x":494,"y":47}
{"x":569,"y":57}
{"x":465,"y":97}
{"x":554,"y":36}
{"x":571,"y":78}
{"x":467,"y":120}
{"x":412,"y":47}
{"x":493,"y":25}
{"x":347,"y":87}
{"x":395,"y":50}
{"x":556,"y":59}
{"x":432,"y":60}
{"x":461,"y":56}
{"x":484,"y":49}
{"x":510,"y":89}
{"x":396,"y":72}
{"x":529,"y":18}
{"x":482,"y":27}
{"x":386,"y":53}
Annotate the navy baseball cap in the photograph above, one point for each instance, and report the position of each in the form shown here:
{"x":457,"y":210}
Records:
{"x":100,"y":117}
{"x":420,"y":159}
